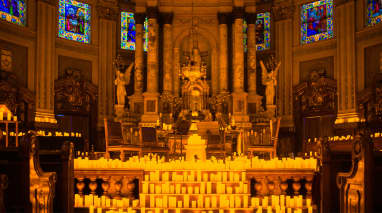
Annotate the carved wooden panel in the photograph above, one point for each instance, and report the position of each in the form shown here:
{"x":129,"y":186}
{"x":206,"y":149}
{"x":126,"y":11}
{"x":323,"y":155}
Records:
{"x":73,"y":94}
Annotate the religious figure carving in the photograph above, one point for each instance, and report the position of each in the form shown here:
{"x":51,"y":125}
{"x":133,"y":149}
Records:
{"x":121,"y":80}
{"x":269,"y":79}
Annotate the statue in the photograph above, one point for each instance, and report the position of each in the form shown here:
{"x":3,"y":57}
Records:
{"x":270,"y":80}
{"x":121,"y":80}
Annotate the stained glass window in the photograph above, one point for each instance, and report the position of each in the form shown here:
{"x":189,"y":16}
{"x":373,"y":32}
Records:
{"x":128,"y":32}
{"x":74,"y":21}
{"x":263,"y":31}
{"x":245,"y":35}
{"x":13,"y":11}
{"x":317,"y":21}
{"x":374,"y":8}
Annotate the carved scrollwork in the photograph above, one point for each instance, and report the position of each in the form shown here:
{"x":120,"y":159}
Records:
{"x":318,"y":95}
{"x":107,"y":13}
{"x":73,"y":94}
{"x":281,"y":12}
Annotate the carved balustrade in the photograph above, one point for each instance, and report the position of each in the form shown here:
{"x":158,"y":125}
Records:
{"x":282,"y":181}
{"x":114,"y":183}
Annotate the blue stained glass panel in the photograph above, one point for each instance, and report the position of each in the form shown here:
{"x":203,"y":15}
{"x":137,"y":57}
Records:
{"x":13,"y":11}
{"x":128,"y":32}
{"x":317,"y":21}
{"x":74,"y":21}
{"x":263,"y":31}
{"x":374,"y":9}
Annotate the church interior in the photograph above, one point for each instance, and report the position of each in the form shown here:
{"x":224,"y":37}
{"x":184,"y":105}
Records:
{"x":177,"y":106}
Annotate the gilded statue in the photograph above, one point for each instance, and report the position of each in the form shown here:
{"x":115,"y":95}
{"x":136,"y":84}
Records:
{"x":121,"y":80}
{"x":269,"y":80}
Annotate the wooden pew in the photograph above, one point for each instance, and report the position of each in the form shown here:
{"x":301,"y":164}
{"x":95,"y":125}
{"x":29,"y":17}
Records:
{"x":62,"y":163}
{"x":357,"y":185}
{"x":29,"y":188}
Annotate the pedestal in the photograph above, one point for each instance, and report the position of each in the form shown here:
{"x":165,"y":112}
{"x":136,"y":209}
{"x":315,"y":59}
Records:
{"x":239,"y":102}
{"x":196,"y":146}
{"x":119,"y":111}
{"x":254,"y":103}
{"x":150,"y":115}
{"x":271,"y":110}
{"x":136,"y":103}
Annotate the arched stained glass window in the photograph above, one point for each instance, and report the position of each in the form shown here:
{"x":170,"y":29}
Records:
{"x":128,"y":33}
{"x":74,"y":21}
{"x":374,"y":9}
{"x":13,"y":11}
{"x":263,"y":31}
{"x":316,"y":21}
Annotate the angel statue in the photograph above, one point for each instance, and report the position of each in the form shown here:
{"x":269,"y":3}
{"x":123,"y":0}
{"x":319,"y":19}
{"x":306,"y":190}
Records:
{"x":121,"y":80}
{"x":270,"y":80}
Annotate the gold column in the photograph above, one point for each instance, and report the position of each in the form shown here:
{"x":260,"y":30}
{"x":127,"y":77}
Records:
{"x":136,"y":100}
{"x":239,"y":96}
{"x":106,"y":55}
{"x":346,"y":63}
{"x":254,"y":100}
{"x":45,"y":62}
{"x":283,"y":41}
{"x":238,"y":51}
{"x":151,"y":95}
{"x":167,"y":54}
{"x":176,"y":65}
{"x":223,"y":57}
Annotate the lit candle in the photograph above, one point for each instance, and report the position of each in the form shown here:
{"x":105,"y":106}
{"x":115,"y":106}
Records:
{"x":99,"y":210}
{"x":1,"y":115}
{"x":8,"y":115}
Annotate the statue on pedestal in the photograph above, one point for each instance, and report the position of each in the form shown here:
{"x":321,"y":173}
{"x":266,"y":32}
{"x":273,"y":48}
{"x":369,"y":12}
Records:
{"x":269,"y":80}
{"x":121,"y":80}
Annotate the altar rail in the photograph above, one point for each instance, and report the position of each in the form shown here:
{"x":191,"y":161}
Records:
{"x":253,"y":188}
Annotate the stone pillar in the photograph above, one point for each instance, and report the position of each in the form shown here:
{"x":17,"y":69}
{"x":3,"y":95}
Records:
{"x":223,"y":56}
{"x":106,"y":55}
{"x":176,"y":70}
{"x":239,"y":96}
{"x":346,"y":63}
{"x":45,"y":61}
{"x":167,"y":54}
{"x":136,"y":100}
{"x":283,"y":41}
{"x":151,"y":95}
{"x":254,"y":100}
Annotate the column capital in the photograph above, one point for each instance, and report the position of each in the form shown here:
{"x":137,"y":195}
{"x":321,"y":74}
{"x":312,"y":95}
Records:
{"x":107,"y":13}
{"x":283,"y":12}
{"x":166,"y":18}
{"x":152,"y":12}
{"x":238,"y":12}
{"x":139,"y":18}
{"x":251,"y":18}
{"x":224,"y":18}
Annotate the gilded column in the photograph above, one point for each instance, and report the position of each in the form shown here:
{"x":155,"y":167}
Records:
{"x":151,"y":95}
{"x":45,"y":66}
{"x":238,"y":50}
{"x":176,"y":70}
{"x":106,"y":55}
{"x":283,"y":41}
{"x":223,"y":56}
{"x":254,"y":100}
{"x":346,"y":63}
{"x":167,"y":54}
{"x":136,"y":100}
{"x":239,"y":96}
